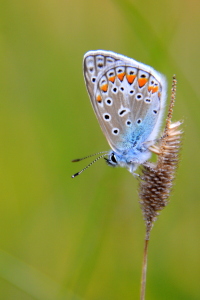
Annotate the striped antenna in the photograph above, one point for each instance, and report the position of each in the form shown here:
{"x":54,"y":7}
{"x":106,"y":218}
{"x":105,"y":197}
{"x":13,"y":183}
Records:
{"x":79,"y":159}
{"x":78,"y":173}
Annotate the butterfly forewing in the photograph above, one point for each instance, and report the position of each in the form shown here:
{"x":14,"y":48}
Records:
{"x":127,"y":97}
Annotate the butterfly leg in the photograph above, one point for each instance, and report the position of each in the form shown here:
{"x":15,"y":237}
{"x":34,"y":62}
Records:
{"x":149,"y":165}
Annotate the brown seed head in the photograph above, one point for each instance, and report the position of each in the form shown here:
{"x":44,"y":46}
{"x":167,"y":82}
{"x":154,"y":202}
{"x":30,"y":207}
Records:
{"x":157,"y":179}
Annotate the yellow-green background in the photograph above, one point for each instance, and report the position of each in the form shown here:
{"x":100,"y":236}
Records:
{"x":82,"y":238}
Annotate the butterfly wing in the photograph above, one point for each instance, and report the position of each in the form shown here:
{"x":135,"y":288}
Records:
{"x":127,"y":96}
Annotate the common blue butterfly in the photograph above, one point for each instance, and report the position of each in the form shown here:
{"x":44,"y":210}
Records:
{"x":128,"y":98}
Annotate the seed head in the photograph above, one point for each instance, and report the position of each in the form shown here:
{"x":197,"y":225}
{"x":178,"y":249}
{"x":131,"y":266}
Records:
{"x":157,"y":179}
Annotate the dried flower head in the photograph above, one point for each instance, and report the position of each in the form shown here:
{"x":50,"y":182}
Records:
{"x":157,"y":179}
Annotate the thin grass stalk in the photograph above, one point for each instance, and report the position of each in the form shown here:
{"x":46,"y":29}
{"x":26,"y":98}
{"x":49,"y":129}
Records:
{"x":144,"y":270}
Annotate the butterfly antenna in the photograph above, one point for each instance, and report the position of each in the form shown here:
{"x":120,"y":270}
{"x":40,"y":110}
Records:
{"x":79,"y":159}
{"x":78,"y":173}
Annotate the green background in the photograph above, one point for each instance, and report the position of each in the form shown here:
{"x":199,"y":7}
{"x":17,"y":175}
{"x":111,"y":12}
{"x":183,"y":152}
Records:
{"x":82,"y":238}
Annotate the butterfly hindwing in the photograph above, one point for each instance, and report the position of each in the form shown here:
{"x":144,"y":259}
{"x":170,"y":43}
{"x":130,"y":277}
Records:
{"x":127,"y":97}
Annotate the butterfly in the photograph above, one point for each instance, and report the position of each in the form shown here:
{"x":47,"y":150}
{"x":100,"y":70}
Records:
{"x":128,"y":98}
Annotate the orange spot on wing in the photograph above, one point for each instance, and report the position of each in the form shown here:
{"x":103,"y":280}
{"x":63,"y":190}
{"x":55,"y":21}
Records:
{"x":150,"y":88}
{"x":155,"y":89}
{"x":112,"y":79}
{"x":98,"y":98}
{"x":142,"y":81}
{"x":121,"y":76}
{"x":159,"y":94}
{"x":130,"y":78}
{"x":104,"y":87}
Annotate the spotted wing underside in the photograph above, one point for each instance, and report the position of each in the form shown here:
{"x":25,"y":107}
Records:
{"x":127,"y":98}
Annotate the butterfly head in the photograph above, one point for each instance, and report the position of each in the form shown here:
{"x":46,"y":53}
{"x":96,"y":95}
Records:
{"x":112,"y":159}
{"x":127,"y":159}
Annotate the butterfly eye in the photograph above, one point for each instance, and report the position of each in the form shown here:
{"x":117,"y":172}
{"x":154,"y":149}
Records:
{"x":113,"y":158}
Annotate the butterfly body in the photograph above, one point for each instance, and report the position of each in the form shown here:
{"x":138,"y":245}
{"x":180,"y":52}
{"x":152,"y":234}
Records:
{"x":128,"y":99}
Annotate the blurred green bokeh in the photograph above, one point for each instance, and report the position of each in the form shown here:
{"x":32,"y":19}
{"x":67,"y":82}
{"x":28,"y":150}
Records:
{"x":83,"y":238}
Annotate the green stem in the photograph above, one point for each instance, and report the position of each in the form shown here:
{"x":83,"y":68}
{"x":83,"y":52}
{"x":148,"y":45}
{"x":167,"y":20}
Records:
{"x":144,"y":271}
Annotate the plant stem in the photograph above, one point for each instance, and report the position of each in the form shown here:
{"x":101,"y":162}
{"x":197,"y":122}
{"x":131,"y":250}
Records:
{"x":144,"y":270}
